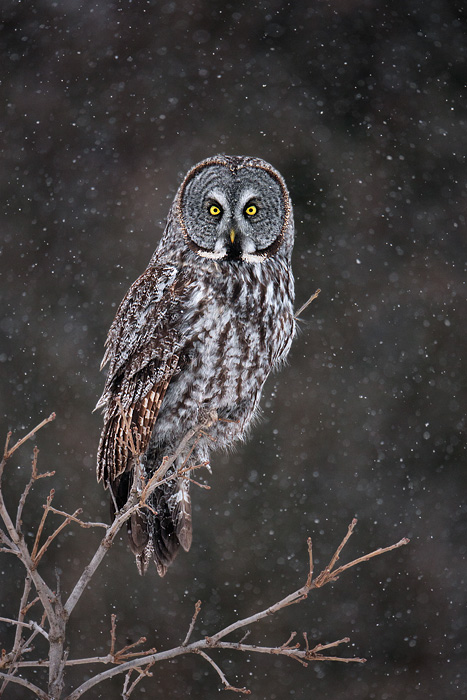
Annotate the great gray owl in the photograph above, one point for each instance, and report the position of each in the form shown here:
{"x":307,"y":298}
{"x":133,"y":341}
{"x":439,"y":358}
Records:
{"x":198,"y":332}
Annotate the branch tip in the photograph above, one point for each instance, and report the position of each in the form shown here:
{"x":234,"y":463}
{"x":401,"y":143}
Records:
{"x":306,"y":304}
{"x":8,"y":452}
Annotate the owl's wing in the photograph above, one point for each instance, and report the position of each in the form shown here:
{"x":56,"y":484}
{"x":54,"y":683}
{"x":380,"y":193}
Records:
{"x":142,"y":350}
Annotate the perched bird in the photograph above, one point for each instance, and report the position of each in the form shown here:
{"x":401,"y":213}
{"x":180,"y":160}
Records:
{"x":197,"y":333}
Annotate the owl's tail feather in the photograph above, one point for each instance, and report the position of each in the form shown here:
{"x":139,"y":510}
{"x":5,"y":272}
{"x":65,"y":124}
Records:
{"x":156,"y":533}
{"x":170,"y":525}
{"x":137,"y":525}
{"x":181,"y":514}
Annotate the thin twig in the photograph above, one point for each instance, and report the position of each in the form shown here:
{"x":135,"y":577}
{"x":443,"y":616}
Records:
{"x":123,"y":654}
{"x":22,"y":612}
{"x":42,"y":523}
{"x":29,"y":625}
{"x":367,"y":557}
{"x":113,"y":634}
{"x":81,"y":523}
{"x":338,"y":551}
{"x":310,"y":562}
{"x":224,"y":680}
{"x":214,"y":642}
{"x":34,"y":477}
{"x":14,"y":622}
{"x":26,"y":684}
{"x":247,"y":634}
{"x":292,"y":652}
{"x":30,"y":604}
{"x":306,"y":304}
{"x":201,"y":486}
{"x":42,"y":588}
{"x":8,"y":452}
{"x":54,"y":534}
{"x":319,"y":647}
{"x":5,"y":449}
{"x":142,"y":673}
{"x":118,"y":657}
{"x":286,"y":645}
{"x":192,"y":623}
{"x":38,"y":629}
{"x":12,"y":549}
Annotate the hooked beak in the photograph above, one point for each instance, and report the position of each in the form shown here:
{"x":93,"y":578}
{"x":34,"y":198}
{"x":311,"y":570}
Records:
{"x":234,"y":248}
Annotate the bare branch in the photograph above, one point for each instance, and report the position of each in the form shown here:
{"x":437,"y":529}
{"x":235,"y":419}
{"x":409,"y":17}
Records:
{"x":29,"y":625}
{"x":124,"y":654}
{"x":192,"y":623}
{"x":5,"y":449}
{"x":306,"y":304}
{"x":324,"y":577}
{"x":38,"y":629}
{"x":41,"y":524}
{"x":142,"y":673}
{"x":301,"y":655}
{"x":113,"y":634}
{"x":43,"y":590}
{"x":74,"y":519}
{"x":56,"y":532}
{"x":52,"y":606}
{"x":9,"y":678}
{"x":34,"y":477}
{"x":319,"y":647}
{"x":338,"y":551}
{"x":12,"y":549}
{"x":14,"y":622}
{"x":22,"y":614}
{"x":367,"y":557}
{"x":127,"y":660}
{"x":224,"y":680}
{"x":8,"y":452}
{"x":29,"y":605}
{"x":291,"y":638}
{"x":98,"y":556}
{"x":310,"y":562}
{"x":292,"y":652}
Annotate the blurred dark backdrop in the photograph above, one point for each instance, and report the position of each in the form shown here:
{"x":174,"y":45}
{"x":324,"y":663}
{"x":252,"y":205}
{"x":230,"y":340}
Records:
{"x":362,"y":107}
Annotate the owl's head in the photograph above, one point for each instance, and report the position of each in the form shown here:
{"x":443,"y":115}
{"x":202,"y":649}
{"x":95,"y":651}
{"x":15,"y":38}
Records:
{"x":235,"y":208}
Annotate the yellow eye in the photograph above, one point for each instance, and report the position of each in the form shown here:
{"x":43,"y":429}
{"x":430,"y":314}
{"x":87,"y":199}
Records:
{"x":251,"y":210}
{"x":214,"y":210}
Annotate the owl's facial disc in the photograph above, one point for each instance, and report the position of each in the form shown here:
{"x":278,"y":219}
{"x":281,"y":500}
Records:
{"x":236,"y":215}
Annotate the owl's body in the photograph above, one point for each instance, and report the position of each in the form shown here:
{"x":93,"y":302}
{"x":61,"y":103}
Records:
{"x":197,"y":333}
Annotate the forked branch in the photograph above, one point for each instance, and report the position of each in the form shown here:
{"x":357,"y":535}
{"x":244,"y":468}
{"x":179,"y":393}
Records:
{"x":52,"y":617}
{"x":302,"y":655}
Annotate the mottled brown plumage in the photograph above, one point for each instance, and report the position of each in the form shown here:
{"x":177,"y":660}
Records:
{"x":199,"y":331}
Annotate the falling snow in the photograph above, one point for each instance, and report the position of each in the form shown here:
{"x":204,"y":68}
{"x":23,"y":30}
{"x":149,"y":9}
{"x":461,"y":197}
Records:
{"x":362,"y":107}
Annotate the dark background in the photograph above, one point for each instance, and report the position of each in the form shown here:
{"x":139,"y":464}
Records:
{"x":362,"y":107}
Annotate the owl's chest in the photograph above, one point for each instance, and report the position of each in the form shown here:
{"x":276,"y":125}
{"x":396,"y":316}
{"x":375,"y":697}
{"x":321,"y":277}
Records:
{"x":225,"y":354}
{"x":232,"y":342}
{"x":232,"y":334}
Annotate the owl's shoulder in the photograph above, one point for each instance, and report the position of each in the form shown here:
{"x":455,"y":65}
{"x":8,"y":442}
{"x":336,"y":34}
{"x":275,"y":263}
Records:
{"x":144,"y":312}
